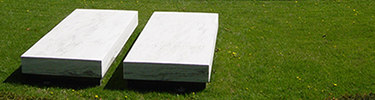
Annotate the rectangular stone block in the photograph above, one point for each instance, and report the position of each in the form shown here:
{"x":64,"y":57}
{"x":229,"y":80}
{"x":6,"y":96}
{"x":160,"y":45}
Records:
{"x":84,"y":44}
{"x":174,"y":46}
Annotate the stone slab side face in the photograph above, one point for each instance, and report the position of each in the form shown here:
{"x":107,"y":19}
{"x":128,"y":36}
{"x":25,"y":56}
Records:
{"x":174,"y":46}
{"x":84,"y":44}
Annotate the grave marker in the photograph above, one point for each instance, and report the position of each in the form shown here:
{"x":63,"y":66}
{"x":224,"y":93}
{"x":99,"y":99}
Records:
{"x":84,"y":44}
{"x":174,"y":46}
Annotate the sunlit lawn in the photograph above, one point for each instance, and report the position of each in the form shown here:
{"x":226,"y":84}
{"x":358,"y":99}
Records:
{"x":310,"y":49}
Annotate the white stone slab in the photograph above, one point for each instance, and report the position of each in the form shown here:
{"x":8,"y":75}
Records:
{"x":84,"y":44}
{"x":174,"y":46}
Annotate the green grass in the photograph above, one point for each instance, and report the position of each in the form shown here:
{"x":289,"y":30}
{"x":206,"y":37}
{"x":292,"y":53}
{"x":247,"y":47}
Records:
{"x":265,"y":49}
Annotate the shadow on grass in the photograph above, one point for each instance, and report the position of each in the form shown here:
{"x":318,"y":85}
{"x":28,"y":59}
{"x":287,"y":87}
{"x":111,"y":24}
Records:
{"x":366,"y":96}
{"x":118,"y":83}
{"x":17,"y":77}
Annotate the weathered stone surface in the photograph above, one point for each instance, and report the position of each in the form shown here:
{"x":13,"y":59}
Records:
{"x":174,"y":46}
{"x":84,"y":44}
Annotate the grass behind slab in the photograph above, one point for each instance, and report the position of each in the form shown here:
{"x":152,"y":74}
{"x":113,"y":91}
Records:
{"x":309,"y":49}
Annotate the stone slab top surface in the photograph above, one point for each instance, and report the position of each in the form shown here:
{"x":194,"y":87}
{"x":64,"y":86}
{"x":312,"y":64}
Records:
{"x":176,"y":38}
{"x":85,"y":34}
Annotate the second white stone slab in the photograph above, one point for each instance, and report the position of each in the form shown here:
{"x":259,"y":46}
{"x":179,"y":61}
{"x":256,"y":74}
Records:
{"x":174,"y":46}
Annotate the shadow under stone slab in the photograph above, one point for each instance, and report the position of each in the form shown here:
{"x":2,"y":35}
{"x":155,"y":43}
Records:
{"x":17,"y":77}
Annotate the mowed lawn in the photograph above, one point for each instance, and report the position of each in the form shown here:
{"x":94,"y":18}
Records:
{"x":310,"y":49}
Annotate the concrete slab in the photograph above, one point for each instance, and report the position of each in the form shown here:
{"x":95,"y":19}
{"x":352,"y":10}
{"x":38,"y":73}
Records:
{"x":84,"y":44}
{"x":174,"y":46}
